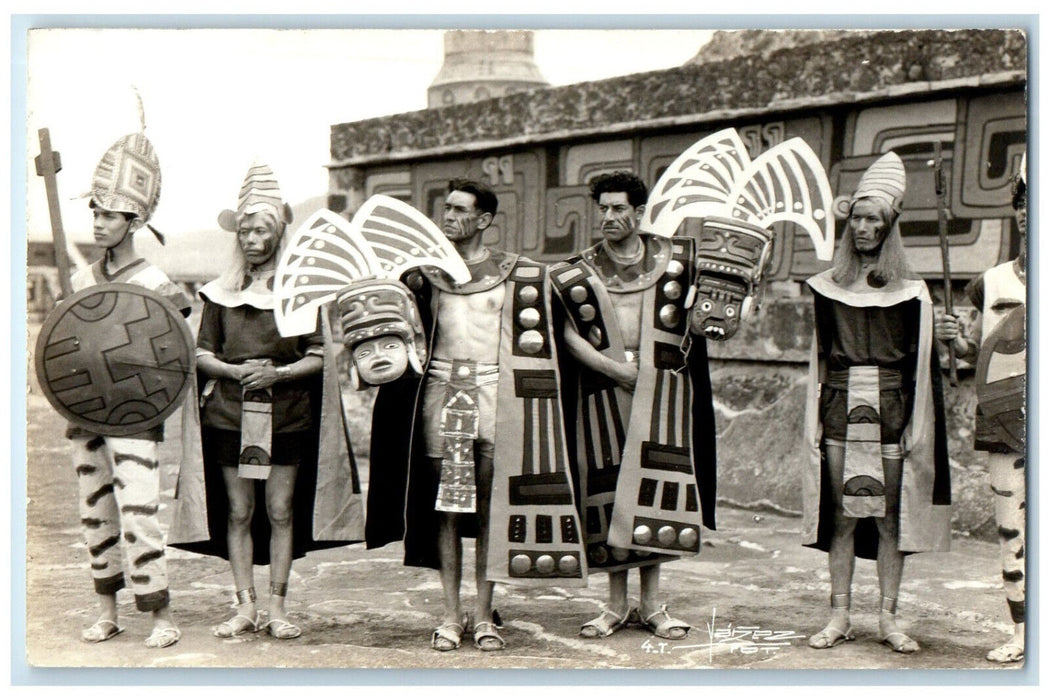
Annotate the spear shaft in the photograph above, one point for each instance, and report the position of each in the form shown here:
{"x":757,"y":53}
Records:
{"x":942,"y":234}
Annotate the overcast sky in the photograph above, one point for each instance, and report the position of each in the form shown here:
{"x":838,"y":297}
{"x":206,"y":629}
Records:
{"x":215,"y":99}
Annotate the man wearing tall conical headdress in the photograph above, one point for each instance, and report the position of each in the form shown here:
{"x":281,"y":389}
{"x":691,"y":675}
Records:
{"x":877,"y":483}
{"x":996,"y":344}
{"x":119,"y":477}
{"x":279,"y":477}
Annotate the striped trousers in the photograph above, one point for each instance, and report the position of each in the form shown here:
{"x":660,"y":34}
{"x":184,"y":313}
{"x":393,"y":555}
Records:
{"x":1007,"y":475}
{"x":119,"y":483}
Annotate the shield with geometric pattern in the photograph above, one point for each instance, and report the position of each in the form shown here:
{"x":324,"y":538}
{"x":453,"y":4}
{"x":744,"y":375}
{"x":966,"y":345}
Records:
{"x":115,"y":359}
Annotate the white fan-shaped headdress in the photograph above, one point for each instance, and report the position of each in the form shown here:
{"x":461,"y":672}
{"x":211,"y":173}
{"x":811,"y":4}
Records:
{"x":385,"y":238}
{"x":717,"y":178}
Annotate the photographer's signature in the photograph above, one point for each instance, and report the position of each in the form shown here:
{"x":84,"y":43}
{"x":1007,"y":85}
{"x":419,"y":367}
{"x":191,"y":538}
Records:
{"x":745,"y":639}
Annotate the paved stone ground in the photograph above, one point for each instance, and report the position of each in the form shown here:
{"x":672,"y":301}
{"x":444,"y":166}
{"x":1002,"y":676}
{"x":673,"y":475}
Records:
{"x":363,"y":609}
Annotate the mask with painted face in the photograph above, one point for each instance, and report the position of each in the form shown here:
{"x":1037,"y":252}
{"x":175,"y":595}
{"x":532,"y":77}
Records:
{"x":380,"y":360}
{"x":732,"y":257}
{"x":735,"y":200}
{"x":382,"y":330}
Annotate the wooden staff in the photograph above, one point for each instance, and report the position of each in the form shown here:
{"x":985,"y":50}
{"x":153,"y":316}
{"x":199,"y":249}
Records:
{"x":48,"y":163}
{"x":942,"y":232}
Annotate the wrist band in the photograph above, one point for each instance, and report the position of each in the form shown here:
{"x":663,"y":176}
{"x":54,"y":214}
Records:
{"x":284,"y":373}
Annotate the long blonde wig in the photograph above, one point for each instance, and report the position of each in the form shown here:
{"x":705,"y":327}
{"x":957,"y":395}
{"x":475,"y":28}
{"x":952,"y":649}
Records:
{"x":891,"y":265}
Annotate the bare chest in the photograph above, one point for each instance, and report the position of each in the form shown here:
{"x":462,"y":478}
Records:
{"x":469,"y":324}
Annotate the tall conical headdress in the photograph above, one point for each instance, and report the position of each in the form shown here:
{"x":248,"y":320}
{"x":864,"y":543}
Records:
{"x":127,"y":178}
{"x":884,"y":179}
{"x":259,"y":192}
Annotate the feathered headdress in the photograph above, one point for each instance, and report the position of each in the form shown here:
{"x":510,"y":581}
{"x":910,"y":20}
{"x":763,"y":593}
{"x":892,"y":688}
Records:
{"x":357,"y":263}
{"x":716,"y":177}
{"x":738,"y":200}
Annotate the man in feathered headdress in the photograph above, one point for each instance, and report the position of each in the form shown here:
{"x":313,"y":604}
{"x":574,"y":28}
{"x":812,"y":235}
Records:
{"x":877,"y":482}
{"x":997,"y":344}
{"x":477,"y":450}
{"x":645,"y":452}
{"x":118,"y":476}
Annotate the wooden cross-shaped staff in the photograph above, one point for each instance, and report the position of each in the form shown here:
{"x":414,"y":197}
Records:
{"x":48,"y":163}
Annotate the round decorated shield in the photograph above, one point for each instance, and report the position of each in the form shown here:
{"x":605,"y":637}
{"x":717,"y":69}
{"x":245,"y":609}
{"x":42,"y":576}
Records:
{"x":115,"y":359}
{"x":1000,"y":377}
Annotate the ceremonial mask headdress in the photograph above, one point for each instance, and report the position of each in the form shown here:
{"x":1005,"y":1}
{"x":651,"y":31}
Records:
{"x":357,"y":264}
{"x":259,"y":193}
{"x":373,"y":308}
{"x":885,"y":180}
{"x":738,"y":199}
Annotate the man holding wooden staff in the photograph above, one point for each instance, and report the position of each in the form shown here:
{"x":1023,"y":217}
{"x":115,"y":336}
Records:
{"x":119,"y":476}
{"x":996,"y":342}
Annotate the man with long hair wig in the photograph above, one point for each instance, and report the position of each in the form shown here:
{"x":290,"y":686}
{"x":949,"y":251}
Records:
{"x":877,"y":485}
{"x":270,"y":425}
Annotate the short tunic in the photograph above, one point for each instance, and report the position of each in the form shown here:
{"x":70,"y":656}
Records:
{"x":884,"y":337}
{"x":236,"y":334}
{"x":867,"y":326}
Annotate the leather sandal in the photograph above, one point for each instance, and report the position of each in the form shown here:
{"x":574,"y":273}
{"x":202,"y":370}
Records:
{"x":237,"y":625}
{"x":900,"y":643}
{"x":488,"y":631}
{"x":282,"y":629}
{"x":1008,"y":653}
{"x":831,"y":636}
{"x":605,"y":624}
{"x":163,"y":637}
{"x":101,"y":631}
{"x":447,"y":637}
{"x":665,"y":626}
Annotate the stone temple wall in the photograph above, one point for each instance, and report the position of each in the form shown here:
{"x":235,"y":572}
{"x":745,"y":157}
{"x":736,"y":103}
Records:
{"x":856,"y":67}
{"x":760,"y":411}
